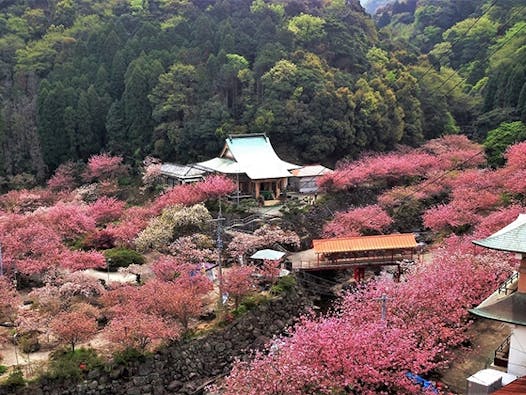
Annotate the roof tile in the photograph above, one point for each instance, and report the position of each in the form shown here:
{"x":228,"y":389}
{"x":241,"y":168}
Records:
{"x":365,"y":243}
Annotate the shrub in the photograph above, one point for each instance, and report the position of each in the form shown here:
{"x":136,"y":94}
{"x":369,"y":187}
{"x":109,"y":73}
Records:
{"x":284,"y":285}
{"x":66,"y":364}
{"x":252,"y":301}
{"x":242,"y":309}
{"x":122,"y":257}
{"x":15,"y":379}
{"x":129,"y":354}
{"x":3,"y":369}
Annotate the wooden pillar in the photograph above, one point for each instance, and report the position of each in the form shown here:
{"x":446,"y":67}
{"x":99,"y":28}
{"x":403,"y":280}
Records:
{"x":522,"y":275}
{"x":258,"y":188}
{"x":278,"y":190}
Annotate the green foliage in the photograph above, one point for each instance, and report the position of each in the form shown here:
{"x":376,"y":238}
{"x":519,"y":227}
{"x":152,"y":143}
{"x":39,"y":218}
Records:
{"x":284,"y":285}
{"x":15,"y":379}
{"x":124,"y":357}
{"x":307,"y":28}
{"x":499,"y":139}
{"x":67,"y":364}
{"x":172,"y":78}
{"x":251,"y":301}
{"x":122,"y":257}
{"x":241,"y":310}
{"x":3,"y":369}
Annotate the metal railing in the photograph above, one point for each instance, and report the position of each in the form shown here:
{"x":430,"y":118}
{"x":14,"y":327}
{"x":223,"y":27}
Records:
{"x":501,"y":354}
{"x":504,"y":286}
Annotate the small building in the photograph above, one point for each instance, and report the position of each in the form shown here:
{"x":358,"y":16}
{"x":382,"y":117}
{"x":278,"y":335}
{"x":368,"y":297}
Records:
{"x":175,"y":174}
{"x":306,"y":177}
{"x":256,"y":168}
{"x":361,"y":252}
{"x":508,"y":303}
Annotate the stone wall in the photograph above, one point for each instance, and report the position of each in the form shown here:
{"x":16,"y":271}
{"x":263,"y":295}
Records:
{"x":187,"y":366}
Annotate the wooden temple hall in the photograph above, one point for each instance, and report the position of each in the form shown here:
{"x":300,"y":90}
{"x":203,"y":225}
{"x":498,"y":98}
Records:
{"x":360,"y":253}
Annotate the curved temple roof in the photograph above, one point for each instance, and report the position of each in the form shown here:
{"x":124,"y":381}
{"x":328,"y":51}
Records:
{"x":251,"y":154}
{"x":511,"y":238}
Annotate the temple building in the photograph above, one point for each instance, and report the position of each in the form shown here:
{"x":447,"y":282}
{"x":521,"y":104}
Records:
{"x":257,"y":169}
{"x":508,"y":303}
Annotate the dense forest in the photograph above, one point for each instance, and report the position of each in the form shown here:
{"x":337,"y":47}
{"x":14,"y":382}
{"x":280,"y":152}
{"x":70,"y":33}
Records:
{"x":326,"y":81}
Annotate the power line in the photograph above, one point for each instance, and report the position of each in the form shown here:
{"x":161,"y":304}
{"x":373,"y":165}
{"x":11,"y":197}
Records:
{"x":486,"y":58}
{"x":454,"y":43}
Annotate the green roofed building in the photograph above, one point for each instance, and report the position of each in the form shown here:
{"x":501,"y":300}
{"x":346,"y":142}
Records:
{"x":251,"y":159}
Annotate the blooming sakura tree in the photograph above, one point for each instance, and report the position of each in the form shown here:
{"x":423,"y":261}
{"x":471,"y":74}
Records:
{"x":104,"y":167}
{"x":25,"y":201}
{"x":444,"y":154}
{"x":514,"y":172}
{"x":456,"y":152}
{"x":133,"y":221}
{"x":151,"y":172}
{"x":73,"y":327}
{"x":354,"y":350}
{"x":189,"y":194}
{"x":69,"y":220}
{"x":197,"y":248}
{"x":358,"y":221}
{"x":184,"y":194}
{"x":140,"y":330}
{"x":216,"y":186}
{"x":106,"y":209}
{"x":9,"y":301}
{"x":270,"y":270}
{"x":168,"y":268}
{"x":29,"y":246}
{"x":238,"y":282}
{"x":244,"y":244}
{"x":181,"y":299}
{"x":64,"y":178}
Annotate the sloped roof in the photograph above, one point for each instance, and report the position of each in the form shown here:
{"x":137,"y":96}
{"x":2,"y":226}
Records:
{"x":504,"y":308}
{"x":365,"y":243}
{"x":511,"y":238}
{"x":271,"y":255}
{"x":311,"y":171}
{"x":181,"y":171}
{"x":221,"y":165}
{"x":256,"y":157}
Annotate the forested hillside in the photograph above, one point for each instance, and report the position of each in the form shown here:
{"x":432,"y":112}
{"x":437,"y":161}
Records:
{"x":172,"y":78}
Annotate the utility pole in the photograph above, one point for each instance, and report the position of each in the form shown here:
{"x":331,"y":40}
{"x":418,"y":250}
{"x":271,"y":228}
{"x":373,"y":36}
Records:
{"x":384,"y":300}
{"x":219,"y":244}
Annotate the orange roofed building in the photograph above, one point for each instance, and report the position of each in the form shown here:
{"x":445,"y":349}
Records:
{"x":361,"y":252}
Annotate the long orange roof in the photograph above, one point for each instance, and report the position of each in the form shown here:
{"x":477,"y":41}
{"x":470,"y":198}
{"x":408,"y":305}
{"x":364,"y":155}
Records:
{"x":365,"y":243}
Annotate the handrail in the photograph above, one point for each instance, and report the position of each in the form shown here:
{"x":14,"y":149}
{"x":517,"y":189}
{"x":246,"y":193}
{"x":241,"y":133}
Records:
{"x":505,"y":344}
{"x":504,"y":286}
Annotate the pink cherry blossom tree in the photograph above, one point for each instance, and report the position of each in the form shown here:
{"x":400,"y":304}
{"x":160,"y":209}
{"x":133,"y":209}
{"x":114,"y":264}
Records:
{"x":106,"y":209}
{"x":358,"y":221}
{"x":65,"y":178}
{"x":73,"y":327}
{"x":238,"y":281}
{"x":105,"y":167}
{"x":140,"y":330}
